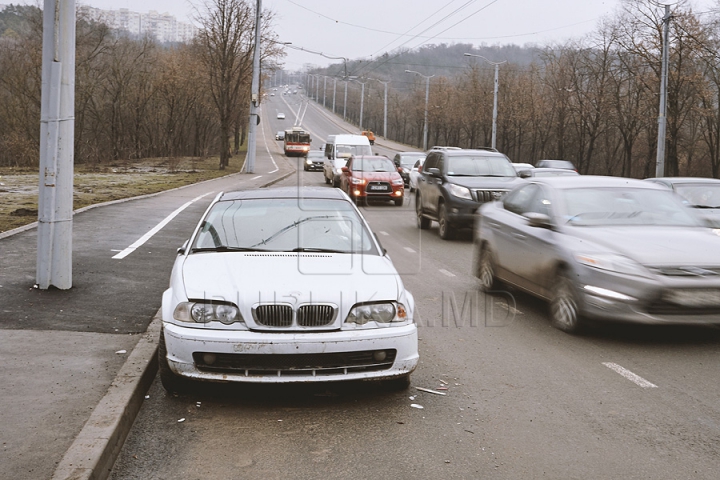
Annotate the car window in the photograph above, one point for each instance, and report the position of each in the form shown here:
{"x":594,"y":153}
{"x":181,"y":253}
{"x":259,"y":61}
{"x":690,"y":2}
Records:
{"x":625,"y":206}
{"x":373,"y":165}
{"x":345,"y":151}
{"x":284,"y":225}
{"x":540,"y":202}
{"x":698,"y":195}
{"x":478,"y":165}
{"x":518,"y":201}
{"x":431,"y":161}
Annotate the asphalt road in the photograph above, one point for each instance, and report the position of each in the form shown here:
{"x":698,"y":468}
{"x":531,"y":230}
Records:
{"x":523,"y":400}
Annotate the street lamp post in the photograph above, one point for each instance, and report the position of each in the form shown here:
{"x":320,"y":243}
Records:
{"x":324,"y":88}
{"x":362,"y":101}
{"x":427,"y":97}
{"x":495,"y":95}
{"x":334,"y":91}
{"x":385,"y":83}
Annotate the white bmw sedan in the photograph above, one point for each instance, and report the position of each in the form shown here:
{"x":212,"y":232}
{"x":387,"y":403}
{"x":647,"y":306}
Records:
{"x":285,"y":285}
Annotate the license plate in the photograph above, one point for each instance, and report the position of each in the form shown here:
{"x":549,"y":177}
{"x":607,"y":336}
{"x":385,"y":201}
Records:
{"x":378,"y":187}
{"x":706,"y":297}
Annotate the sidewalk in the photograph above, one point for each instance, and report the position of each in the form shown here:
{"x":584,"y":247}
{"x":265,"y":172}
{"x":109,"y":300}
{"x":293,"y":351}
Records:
{"x":76,"y":363}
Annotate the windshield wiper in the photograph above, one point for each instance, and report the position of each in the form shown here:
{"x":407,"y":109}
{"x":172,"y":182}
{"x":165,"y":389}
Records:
{"x":225,"y":248}
{"x":313,"y":249}
{"x":704,"y":206}
{"x":288,"y":227}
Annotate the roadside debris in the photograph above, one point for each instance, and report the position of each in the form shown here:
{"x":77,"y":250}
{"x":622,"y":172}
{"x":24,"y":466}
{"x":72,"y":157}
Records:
{"x":443,"y":382}
{"x":430,"y":391}
{"x":415,"y":405}
{"x":181,"y":420}
{"x":121,"y":352}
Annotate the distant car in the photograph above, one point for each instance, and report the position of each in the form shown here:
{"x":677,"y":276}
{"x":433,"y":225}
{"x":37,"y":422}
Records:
{"x":313,"y":160}
{"x":285,"y":285}
{"x":272,"y":94}
{"x":568,"y":165}
{"x":700,"y":193}
{"x":280,"y":135}
{"x":281,"y":116}
{"x":415,"y":173}
{"x":546,"y":172}
{"x":522,"y":166}
{"x":405,"y":162}
{"x":605,"y":248}
{"x":372,"y":177}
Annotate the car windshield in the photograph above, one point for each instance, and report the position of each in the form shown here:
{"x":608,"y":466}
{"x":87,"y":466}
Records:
{"x":589,"y":206}
{"x":373,"y":165}
{"x":346,"y":151}
{"x":480,"y":166}
{"x":554,"y":173}
{"x":315,"y":154}
{"x":409,"y":160}
{"x":284,"y":225}
{"x":699,"y":195}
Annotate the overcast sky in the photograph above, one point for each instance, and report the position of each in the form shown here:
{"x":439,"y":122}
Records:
{"x":367,"y":28}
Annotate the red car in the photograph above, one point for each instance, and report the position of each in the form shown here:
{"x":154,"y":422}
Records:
{"x":373,"y":177}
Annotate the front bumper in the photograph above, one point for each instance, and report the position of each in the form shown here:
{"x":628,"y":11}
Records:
{"x":237,"y":347}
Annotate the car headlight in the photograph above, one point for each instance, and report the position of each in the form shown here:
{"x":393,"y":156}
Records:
{"x":308,"y":161}
{"x":460,"y":192}
{"x":384,"y":312}
{"x":398,"y":181}
{"x":202,"y":312}
{"x":357,"y":181}
{"x":612,"y":263}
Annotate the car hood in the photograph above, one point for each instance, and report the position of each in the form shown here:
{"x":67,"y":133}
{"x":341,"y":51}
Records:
{"x":490,"y":183}
{"x":377,"y":176}
{"x":655,"y":246}
{"x":250,"y":277}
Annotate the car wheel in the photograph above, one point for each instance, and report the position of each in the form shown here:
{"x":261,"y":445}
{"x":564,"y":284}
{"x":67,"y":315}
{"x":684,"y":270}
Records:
{"x":170,"y":381}
{"x":423,"y":223}
{"x":485,"y":270}
{"x":412,"y":189}
{"x":399,"y":201}
{"x":327,"y":180}
{"x":446,"y":231}
{"x":564,"y":314}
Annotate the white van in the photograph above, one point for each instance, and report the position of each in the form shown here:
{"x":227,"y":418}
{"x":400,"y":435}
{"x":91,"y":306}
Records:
{"x":338,"y":149}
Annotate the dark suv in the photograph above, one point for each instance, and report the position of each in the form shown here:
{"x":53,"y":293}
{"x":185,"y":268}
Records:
{"x":454,"y":183}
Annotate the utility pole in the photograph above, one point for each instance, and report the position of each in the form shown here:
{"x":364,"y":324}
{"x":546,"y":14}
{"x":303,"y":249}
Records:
{"x":57,"y":133}
{"x":495,"y":96}
{"x":324,"y":89}
{"x":334,"y":91}
{"x":255,"y":94}
{"x":662,"y":116}
{"x":427,"y":97}
{"x":362,"y":101}
{"x":385,"y":83}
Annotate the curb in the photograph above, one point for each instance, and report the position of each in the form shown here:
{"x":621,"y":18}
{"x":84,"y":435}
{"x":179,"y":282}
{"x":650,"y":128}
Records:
{"x":97,"y":446}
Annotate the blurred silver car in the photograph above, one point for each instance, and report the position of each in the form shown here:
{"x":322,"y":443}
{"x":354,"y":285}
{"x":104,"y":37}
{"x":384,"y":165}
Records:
{"x":603,"y":248}
{"x":700,"y":193}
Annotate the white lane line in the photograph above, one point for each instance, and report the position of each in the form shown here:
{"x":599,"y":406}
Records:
{"x":255,"y":178}
{"x":384,"y":233}
{"x":267,"y":148}
{"x":445,"y":272}
{"x":636,"y":379}
{"x":410,"y":250}
{"x":156,"y":229}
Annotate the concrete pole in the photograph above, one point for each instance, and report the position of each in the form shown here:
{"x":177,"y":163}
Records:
{"x":324,"y":89}
{"x":362,"y":101}
{"x":334,"y":91}
{"x":662,"y":116}
{"x":425,"y":123}
{"x":57,"y":133}
{"x":495,"y":108}
{"x":345,"y":102}
{"x":317,"y":88}
{"x":255,"y":95}
{"x":385,"y":84}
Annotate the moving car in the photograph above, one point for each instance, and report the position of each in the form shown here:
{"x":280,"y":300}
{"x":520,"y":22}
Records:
{"x":604,"y":248}
{"x":566,"y":164}
{"x":313,"y":160}
{"x":405,"y":161}
{"x":700,"y":193}
{"x":280,"y":135}
{"x":281,"y":116}
{"x":338,"y":149}
{"x":547,"y":172}
{"x":454,"y":183}
{"x":415,"y":173}
{"x":522,"y":166}
{"x":373,"y":177}
{"x":285,"y":285}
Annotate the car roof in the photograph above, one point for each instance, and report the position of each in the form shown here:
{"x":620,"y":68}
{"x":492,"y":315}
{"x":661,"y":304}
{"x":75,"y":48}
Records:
{"x":676,"y":180}
{"x":583,"y":181}
{"x":472,"y":151}
{"x":414,"y":154}
{"x":554,"y":169}
{"x":285,"y":192}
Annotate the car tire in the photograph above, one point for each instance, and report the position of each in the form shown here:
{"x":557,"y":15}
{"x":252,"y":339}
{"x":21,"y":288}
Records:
{"x":172,"y":382}
{"x":564,"y":310}
{"x":423,"y":223}
{"x":399,"y":201}
{"x":446,"y":231}
{"x":485,"y":269}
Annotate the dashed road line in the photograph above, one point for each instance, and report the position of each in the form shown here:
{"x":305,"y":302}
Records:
{"x":636,"y":379}
{"x":445,"y":272}
{"x":384,"y":233}
{"x":410,"y":250}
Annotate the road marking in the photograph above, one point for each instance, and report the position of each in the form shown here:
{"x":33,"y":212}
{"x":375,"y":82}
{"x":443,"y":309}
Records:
{"x":267,"y":148}
{"x":255,"y":178}
{"x":156,"y":229}
{"x":384,"y":233}
{"x":445,"y":272}
{"x":636,"y":379}
{"x":410,"y":250}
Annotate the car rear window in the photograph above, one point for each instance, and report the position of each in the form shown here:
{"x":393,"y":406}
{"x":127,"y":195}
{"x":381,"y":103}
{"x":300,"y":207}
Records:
{"x":477,"y":166}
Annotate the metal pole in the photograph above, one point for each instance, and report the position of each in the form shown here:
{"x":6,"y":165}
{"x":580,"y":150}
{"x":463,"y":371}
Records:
{"x":385,"y":112}
{"x":317,"y":88}
{"x":57,"y":133}
{"x":662,"y":117}
{"x":345,"y":102}
{"x":324,"y":89}
{"x":255,"y":95}
{"x":425,"y":125}
{"x":362,"y":100}
{"x":334,"y":91}
{"x":495,"y":100}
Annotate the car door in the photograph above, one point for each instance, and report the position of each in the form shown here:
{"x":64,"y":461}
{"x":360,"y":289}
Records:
{"x":508,"y":232}
{"x":534,"y":252}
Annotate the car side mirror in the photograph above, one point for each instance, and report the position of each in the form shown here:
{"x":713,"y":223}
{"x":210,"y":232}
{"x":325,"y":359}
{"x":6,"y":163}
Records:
{"x":524,"y":174}
{"x":344,"y":169}
{"x":435,"y":172}
{"x":539,"y":220}
{"x":183,"y":249}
